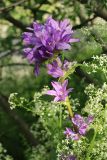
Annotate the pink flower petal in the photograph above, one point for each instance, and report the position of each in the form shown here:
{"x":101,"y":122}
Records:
{"x":51,"y":92}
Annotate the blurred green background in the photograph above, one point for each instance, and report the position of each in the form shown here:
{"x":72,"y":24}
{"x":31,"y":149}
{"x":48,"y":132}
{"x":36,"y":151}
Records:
{"x":89,"y":21}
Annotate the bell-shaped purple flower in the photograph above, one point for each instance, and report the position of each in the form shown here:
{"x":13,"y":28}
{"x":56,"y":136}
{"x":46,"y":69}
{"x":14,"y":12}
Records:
{"x":82,"y":123}
{"x":60,"y":90}
{"x":56,"y":69}
{"x":43,"y":41}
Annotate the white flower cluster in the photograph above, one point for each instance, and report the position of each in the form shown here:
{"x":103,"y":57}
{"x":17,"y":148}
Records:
{"x":98,"y":64}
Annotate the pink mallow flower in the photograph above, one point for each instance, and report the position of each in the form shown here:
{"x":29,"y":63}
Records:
{"x":60,"y":90}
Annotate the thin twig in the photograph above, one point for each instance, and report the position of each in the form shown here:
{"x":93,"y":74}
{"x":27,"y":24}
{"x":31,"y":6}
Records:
{"x":6,"y":9}
{"x":79,"y":72}
{"x":15,"y":22}
{"x":16,"y":64}
{"x":84,"y":23}
{"x":98,"y":9}
{"x":4,"y":54}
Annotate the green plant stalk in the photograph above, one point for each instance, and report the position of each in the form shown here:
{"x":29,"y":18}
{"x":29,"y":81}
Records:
{"x":91,"y":146}
{"x":60,"y":122}
{"x":67,"y":103}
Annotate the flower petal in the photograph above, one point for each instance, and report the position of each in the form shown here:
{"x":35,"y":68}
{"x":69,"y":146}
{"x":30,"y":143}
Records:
{"x":56,"y":85}
{"x":56,"y":99}
{"x":51,"y":92}
{"x":63,"y":46}
{"x":36,"y":69}
{"x":74,"y":40}
{"x":64,"y":85}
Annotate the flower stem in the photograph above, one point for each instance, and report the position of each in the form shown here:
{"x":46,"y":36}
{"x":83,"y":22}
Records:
{"x":67,"y":103}
{"x":60,"y":122}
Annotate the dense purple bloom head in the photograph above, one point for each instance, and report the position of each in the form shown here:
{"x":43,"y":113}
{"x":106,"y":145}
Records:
{"x":81,"y":123}
{"x":60,"y":90}
{"x":56,"y":69}
{"x":43,"y":41}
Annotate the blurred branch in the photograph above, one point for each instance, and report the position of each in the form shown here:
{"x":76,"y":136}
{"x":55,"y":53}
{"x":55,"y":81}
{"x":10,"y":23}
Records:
{"x":15,"y":22}
{"x":83,"y":1}
{"x":36,"y":9}
{"x":99,"y":40}
{"x":79,"y":72}
{"x":84,"y":23}
{"x":98,"y":9}
{"x":16,"y":64}
{"x":101,"y":12}
{"x":4,"y":54}
{"x":18,"y":120}
{"x":6,"y":9}
{"x":8,"y":52}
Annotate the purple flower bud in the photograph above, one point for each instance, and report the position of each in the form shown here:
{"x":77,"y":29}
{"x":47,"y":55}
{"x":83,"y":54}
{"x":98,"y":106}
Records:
{"x":71,"y":157}
{"x":89,"y":119}
{"x":70,"y":134}
{"x":56,"y":68}
{"x":66,"y":65}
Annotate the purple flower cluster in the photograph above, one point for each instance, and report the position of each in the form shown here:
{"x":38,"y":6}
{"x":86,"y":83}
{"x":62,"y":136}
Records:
{"x":56,"y":69}
{"x":60,"y":92}
{"x":81,"y":124}
{"x":43,"y":41}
